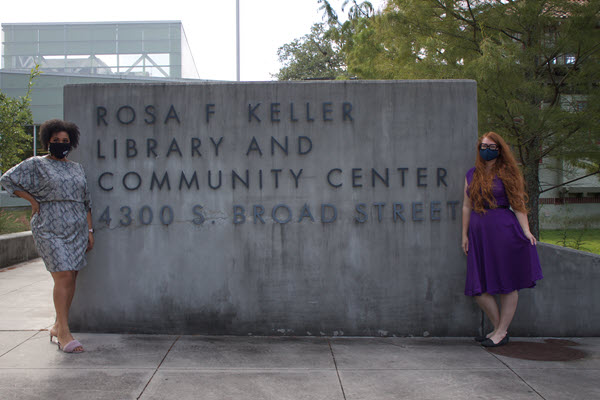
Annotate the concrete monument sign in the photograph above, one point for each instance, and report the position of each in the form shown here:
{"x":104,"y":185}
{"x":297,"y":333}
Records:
{"x":316,"y":208}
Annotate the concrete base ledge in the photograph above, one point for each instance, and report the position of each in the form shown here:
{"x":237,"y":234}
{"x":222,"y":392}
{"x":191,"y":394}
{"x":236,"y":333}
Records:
{"x":16,"y":248}
{"x":565,"y":302}
{"x":562,"y":304}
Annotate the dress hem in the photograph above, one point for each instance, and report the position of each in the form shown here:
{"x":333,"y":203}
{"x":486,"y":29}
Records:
{"x":76,"y":268}
{"x":501,"y":291}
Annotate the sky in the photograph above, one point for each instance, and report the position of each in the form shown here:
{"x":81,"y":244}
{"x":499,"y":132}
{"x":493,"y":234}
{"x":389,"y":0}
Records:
{"x":265,"y":25}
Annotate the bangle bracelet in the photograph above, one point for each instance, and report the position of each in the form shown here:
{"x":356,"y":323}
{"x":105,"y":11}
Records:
{"x":91,"y":230}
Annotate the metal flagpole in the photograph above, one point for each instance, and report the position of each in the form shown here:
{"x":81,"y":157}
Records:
{"x":35,"y":140}
{"x":237,"y":34}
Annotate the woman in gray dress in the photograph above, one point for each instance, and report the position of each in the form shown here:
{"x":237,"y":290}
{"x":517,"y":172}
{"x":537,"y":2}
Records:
{"x":61,"y":220}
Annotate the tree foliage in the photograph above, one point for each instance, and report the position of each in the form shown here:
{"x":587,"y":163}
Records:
{"x":320,"y":54}
{"x":314,"y":56}
{"x":15,"y":115}
{"x":536,"y":63}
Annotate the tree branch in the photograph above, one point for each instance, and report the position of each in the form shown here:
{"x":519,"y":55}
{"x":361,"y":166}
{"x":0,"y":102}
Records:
{"x":560,"y":142}
{"x":571,"y":181}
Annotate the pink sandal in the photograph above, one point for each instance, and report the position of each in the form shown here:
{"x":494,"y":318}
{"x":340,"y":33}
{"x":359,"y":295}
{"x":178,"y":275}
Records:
{"x":71,"y":346}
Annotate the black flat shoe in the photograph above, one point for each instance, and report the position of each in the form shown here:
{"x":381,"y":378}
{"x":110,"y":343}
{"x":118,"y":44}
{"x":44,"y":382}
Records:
{"x":490,"y":342}
{"x":480,"y":339}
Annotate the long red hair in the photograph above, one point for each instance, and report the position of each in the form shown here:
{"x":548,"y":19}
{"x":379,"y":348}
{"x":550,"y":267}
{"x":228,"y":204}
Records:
{"x":506,"y":168}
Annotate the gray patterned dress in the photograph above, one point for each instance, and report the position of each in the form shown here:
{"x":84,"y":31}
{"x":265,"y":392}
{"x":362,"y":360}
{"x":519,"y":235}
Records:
{"x":60,"y":229}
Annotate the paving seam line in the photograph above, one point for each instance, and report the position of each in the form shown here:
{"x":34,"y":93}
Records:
{"x":92,"y":368}
{"x":383,"y":341}
{"x":249,"y":369}
{"x":336,"y":369}
{"x":514,"y":372}
{"x":22,"y":287}
{"x":36,"y":332}
{"x":159,"y":364}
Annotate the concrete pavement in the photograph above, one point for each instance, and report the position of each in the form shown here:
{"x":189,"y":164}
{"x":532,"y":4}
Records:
{"x":122,"y":366}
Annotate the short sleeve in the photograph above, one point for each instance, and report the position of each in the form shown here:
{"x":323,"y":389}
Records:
{"x":469,"y":175}
{"x":469,"y":178}
{"x":23,"y":177}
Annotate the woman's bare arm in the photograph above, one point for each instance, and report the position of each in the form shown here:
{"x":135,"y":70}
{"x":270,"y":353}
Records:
{"x":90,"y":234}
{"x":35,"y":206}
{"x":524,"y":222}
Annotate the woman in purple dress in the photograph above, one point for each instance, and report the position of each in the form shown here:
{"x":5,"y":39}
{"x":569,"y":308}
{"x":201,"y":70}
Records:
{"x":501,"y":253}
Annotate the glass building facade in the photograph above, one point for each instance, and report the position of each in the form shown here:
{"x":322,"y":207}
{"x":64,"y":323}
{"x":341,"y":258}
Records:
{"x":98,"y":52}
{"x":145,"y":49}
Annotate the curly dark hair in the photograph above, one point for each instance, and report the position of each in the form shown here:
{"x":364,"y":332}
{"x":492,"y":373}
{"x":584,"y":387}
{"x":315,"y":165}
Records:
{"x":53,"y":126}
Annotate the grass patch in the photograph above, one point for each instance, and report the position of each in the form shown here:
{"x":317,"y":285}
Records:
{"x":12,"y":221}
{"x":579,"y":239}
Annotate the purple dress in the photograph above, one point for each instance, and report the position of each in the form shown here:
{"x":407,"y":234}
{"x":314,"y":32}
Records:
{"x":500,"y":258}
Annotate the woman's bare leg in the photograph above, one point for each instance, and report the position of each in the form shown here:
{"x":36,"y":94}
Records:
{"x":508,"y":304}
{"x":72,"y":294}
{"x":64,"y":290}
{"x":488,"y":304}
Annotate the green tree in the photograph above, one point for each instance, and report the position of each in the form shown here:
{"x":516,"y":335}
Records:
{"x":320,"y":54}
{"x":15,"y":115}
{"x":314,"y":56}
{"x":536,"y":63}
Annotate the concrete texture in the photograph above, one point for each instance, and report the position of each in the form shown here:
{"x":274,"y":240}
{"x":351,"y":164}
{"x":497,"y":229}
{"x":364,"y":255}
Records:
{"x":555,"y":384}
{"x":589,"y":345}
{"x":564,"y":302}
{"x":408,"y":353}
{"x":72,"y":384}
{"x":16,"y":248}
{"x":103,"y":351}
{"x":249,"y":353}
{"x":26,"y":297}
{"x":9,"y":340}
{"x":121,"y":366}
{"x":183,"y":274}
{"x":236,"y":384}
{"x":435,"y":385}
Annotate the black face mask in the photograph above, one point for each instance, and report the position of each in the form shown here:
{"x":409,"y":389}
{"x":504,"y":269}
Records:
{"x":489,"y":154}
{"x":59,"y":150}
